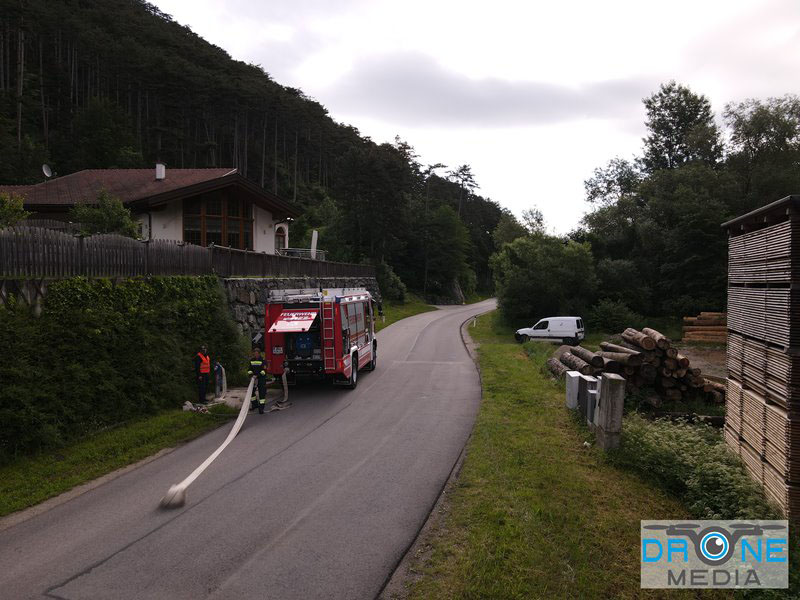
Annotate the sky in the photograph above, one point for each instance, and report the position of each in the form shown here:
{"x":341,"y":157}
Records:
{"x":532,"y":95}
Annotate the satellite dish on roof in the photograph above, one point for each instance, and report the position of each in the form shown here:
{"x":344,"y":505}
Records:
{"x":48,"y":172}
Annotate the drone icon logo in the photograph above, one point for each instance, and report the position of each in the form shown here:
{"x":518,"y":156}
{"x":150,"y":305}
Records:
{"x":715,"y":545}
{"x":714,"y":554}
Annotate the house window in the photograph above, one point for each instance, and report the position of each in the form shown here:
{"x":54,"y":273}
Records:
{"x":280,"y":238}
{"x":218,"y":218}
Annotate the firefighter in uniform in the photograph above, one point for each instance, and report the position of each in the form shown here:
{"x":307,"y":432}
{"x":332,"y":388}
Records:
{"x":258,"y":368}
{"x":202,"y":368}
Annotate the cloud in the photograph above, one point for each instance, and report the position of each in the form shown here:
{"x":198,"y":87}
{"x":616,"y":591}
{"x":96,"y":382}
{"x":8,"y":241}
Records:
{"x":412,"y":89}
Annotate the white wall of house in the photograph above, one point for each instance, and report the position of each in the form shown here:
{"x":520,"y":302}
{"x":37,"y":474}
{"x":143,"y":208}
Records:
{"x":165,"y":224}
{"x":264,"y":231}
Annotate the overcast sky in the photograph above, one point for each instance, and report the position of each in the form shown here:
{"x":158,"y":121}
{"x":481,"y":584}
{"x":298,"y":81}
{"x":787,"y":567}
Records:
{"x":533,"y":95}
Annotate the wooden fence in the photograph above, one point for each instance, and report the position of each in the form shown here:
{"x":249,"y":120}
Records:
{"x":35,"y":252}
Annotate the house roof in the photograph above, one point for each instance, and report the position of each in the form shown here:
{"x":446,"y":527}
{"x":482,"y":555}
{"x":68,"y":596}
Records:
{"x":139,"y":189}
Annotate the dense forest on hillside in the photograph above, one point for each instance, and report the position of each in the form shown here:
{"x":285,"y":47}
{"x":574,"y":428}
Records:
{"x":117,"y":83}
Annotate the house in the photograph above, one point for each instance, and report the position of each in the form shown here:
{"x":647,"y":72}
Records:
{"x":199,"y":206}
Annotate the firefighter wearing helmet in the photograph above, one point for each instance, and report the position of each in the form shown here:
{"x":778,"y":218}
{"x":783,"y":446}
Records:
{"x":258,"y":369}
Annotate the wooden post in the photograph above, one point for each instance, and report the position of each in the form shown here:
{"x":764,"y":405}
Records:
{"x":81,"y":258}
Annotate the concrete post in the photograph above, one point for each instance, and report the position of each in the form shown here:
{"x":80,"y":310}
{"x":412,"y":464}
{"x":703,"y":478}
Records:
{"x":610,"y":405}
{"x":591,"y":406}
{"x":572,"y":389}
{"x":585,"y":383}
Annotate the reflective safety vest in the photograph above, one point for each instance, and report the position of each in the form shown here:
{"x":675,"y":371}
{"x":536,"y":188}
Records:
{"x":205,"y":363}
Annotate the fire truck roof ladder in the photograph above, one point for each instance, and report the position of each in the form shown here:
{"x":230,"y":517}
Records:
{"x":327,"y":336}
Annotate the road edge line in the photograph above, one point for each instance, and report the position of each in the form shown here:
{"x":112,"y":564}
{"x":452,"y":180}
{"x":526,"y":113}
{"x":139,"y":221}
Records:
{"x":395,"y":586}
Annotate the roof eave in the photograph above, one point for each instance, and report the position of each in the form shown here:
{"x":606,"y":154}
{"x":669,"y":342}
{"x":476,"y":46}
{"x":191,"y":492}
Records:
{"x":271,"y":202}
{"x":788,"y":204}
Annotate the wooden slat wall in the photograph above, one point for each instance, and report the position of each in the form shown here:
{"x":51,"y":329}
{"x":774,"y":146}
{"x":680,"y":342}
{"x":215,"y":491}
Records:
{"x":35,"y":252}
{"x":763,"y":359}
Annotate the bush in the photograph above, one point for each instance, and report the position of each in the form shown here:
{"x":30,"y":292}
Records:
{"x":107,"y":215}
{"x":102,"y":353}
{"x":12,"y":210}
{"x":693,"y":463}
{"x":392,"y":288}
{"x":541,"y":275}
{"x":613,"y":316}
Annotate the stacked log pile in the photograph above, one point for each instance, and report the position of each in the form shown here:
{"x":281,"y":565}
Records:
{"x":763,"y":356}
{"x":646,"y":359}
{"x":706,"y":327}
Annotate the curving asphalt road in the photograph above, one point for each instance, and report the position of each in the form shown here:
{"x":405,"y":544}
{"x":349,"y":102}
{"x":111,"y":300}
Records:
{"x":319,"y":501}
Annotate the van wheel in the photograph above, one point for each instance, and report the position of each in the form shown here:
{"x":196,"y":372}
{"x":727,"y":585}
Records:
{"x":572,"y":341}
{"x":523,"y":338}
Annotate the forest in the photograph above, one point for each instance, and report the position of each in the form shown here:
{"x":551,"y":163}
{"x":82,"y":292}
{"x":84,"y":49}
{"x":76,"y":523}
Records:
{"x":118,"y":83}
{"x":651,"y":243}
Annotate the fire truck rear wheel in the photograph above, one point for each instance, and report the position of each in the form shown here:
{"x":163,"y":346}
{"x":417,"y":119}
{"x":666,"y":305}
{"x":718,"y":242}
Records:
{"x":353,"y":373}
{"x":374,"y":361}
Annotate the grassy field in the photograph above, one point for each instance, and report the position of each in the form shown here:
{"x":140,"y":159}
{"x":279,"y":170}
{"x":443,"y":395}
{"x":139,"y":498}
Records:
{"x":394,"y":312}
{"x":34,"y":479}
{"x":534,"y":513}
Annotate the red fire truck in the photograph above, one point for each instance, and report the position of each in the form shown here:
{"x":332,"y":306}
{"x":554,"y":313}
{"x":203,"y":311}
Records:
{"x":312,"y":333}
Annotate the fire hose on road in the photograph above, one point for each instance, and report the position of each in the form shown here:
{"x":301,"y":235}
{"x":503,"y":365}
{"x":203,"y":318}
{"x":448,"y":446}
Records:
{"x":176,"y":495}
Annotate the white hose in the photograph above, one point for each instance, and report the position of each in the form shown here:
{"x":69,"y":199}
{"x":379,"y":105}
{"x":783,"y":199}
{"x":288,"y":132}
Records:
{"x":176,"y":495}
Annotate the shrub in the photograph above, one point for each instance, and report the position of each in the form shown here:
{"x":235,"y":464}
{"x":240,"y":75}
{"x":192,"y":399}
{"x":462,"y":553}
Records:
{"x":541,"y":275}
{"x":103,"y":353}
{"x":693,"y":463}
{"x":392,"y":288}
{"x":11,"y":210}
{"x":107,"y":215}
{"x":613,"y":316}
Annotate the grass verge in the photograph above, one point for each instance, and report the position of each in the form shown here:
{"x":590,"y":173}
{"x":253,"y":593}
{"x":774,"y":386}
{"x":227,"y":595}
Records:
{"x":534,"y":513}
{"x":33,"y":479}
{"x":394,"y":312}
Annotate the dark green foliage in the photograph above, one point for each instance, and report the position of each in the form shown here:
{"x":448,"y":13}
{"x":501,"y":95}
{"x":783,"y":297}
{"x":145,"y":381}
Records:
{"x":392,"y":288}
{"x":508,"y":229}
{"x":100,"y":135}
{"x":448,"y":247}
{"x":102,"y":353}
{"x":612,"y":316}
{"x":540,"y":275}
{"x":765,"y":150}
{"x":11,"y":210}
{"x":107,"y":215}
{"x":682,"y":129}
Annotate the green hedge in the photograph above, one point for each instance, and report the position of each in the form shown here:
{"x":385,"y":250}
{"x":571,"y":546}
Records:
{"x":104,"y":352}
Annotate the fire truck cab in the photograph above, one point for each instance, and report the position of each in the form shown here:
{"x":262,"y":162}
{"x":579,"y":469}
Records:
{"x":320,"y":334}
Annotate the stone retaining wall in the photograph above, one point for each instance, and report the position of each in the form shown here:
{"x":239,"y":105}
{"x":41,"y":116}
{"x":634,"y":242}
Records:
{"x":247,"y":297}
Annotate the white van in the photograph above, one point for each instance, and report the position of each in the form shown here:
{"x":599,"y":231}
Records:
{"x":567,"y":329}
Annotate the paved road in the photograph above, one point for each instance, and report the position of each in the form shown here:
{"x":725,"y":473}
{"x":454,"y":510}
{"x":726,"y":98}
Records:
{"x":319,"y":501}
